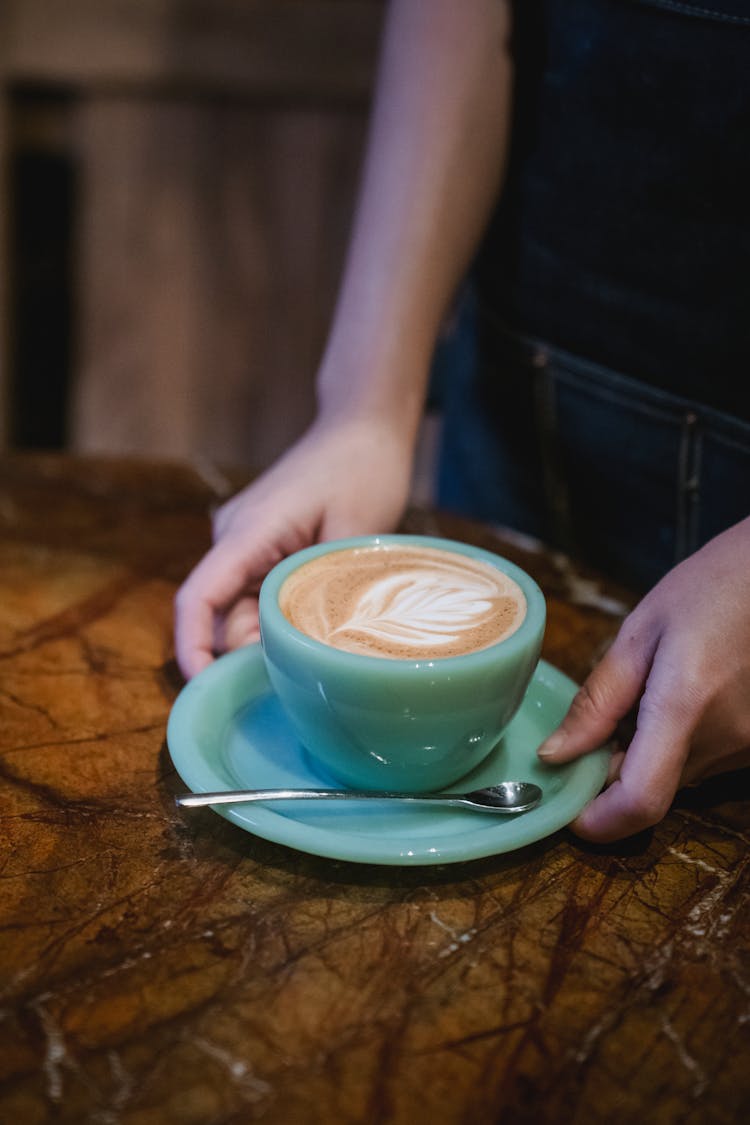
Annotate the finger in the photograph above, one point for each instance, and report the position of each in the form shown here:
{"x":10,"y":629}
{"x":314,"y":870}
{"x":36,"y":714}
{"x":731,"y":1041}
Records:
{"x":238,"y":627}
{"x":702,"y":766}
{"x":193,"y":632}
{"x":605,"y":698}
{"x":218,"y":580}
{"x":615,"y":766}
{"x":652,"y":768}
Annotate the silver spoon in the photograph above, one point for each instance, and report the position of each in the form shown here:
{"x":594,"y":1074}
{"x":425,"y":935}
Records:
{"x":507,"y":797}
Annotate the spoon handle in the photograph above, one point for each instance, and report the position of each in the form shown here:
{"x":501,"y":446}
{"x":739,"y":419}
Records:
{"x":245,"y":796}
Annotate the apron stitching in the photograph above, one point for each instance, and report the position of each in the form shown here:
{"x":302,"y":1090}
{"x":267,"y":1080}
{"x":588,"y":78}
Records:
{"x":693,"y":10}
{"x":554,"y":480}
{"x":688,"y":488}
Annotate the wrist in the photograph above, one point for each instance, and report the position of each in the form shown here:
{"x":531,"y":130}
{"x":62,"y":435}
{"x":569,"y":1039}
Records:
{"x":373,"y":385}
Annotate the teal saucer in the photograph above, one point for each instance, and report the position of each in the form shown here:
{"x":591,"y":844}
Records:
{"x":227,"y":731}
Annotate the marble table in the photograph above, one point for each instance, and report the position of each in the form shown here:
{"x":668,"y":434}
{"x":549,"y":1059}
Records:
{"x":164,"y":966}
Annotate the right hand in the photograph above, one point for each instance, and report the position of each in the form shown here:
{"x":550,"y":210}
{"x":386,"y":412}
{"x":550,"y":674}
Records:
{"x":347,"y":478}
{"x":435,"y":161}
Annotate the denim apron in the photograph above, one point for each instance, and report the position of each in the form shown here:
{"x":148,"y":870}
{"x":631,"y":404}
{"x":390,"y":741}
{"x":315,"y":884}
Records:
{"x":596,"y":386}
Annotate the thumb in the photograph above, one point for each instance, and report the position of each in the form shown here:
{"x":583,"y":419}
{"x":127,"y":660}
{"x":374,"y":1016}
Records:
{"x":606,"y":696}
{"x":346,"y":523}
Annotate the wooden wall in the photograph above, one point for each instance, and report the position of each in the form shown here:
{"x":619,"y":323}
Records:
{"x":215,"y":147}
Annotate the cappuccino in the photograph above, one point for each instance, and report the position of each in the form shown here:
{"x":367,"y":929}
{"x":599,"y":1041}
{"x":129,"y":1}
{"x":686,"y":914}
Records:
{"x":402,"y":602}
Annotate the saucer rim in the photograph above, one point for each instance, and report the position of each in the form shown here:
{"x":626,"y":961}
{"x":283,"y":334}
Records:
{"x":584,"y":779}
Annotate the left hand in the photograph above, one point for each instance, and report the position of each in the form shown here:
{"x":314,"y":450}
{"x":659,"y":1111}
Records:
{"x":682,"y":658}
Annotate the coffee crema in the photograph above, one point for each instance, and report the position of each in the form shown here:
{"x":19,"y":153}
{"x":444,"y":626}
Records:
{"x":402,"y":602}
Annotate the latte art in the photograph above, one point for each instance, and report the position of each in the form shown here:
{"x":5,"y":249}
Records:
{"x":402,"y":602}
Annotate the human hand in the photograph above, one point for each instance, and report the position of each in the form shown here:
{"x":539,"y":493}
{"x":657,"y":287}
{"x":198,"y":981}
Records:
{"x":682,"y":657}
{"x":351,"y":478}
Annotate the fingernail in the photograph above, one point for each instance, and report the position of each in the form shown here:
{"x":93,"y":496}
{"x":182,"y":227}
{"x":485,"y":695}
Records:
{"x":553,"y":745}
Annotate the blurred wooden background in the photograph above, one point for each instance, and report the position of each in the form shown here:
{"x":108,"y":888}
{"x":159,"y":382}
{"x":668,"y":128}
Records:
{"x":176,"y":187}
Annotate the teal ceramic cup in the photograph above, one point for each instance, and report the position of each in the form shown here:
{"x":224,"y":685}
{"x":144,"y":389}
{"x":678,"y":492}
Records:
{"x":398,"y":724}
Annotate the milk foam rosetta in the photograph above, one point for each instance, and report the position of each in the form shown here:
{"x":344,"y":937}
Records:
{"x":402,"y":602}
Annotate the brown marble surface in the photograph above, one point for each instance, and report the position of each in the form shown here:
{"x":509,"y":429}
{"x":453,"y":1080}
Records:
{"x":159,"y":966}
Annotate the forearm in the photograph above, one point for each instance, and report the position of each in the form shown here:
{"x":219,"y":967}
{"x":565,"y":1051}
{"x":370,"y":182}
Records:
{"x":432,"y":172}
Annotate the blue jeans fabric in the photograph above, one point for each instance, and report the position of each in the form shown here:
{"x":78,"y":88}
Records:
{"x":596,"y":388}
{"x":623,"y":233}
{"x":623,"y":475}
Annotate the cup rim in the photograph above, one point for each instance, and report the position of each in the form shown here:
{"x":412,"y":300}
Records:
{"x":533,"y":622}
